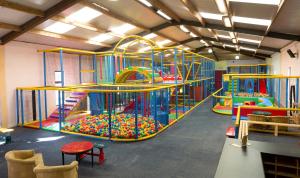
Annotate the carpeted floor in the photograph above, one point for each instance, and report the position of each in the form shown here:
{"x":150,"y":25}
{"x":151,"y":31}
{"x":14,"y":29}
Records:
{"x":190,"y":148}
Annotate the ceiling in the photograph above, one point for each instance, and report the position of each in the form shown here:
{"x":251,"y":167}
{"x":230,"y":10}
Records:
{"x":267,"y":29}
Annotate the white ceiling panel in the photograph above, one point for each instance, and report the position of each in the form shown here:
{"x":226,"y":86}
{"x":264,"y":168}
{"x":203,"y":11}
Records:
{"x":252,"y":10}
{"x":275,"y":43}
{"x":206,"y":6}
{"x":13,"y":17}
{"x":179,"y":9}
{"x":39,"y":39}
{"x":195,"y":44}
{"x":288,"y":19}
{"x":133,"y":10}
{"x":175,"y":33}
{"x":3,"y":32}
{"x":38,"y":4}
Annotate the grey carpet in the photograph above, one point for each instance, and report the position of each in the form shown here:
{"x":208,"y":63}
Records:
{"x":190,"y":148}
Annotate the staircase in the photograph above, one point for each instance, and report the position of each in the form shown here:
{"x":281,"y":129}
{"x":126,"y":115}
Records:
{"x":71,"y":104}
{"x":182,"y":97}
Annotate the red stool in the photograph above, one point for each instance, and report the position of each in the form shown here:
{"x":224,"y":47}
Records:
{"x":230,"y":132}
{"x":101,"y":152}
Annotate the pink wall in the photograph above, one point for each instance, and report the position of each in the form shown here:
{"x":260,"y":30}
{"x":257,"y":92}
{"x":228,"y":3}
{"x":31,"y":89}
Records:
{"x":23,"y":67}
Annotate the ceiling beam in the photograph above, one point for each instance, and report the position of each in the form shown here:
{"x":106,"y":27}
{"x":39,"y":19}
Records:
{"x":21,"y":8}
{"x":274,"y":17}
{"x":100,"y":7}
{"x":194,"y":12}
{"x":191,"y":8}
{"x":31,"y":24}
{"x":158,"y":5}
{"x":162,"y":6}
{"x":216,"y":57}
{"x":200,"y":49}
{"x":9,"y":26}
{"x":277,"y":35}
{"x":283,"y":36}
{"x":240,"y":52}
{"x":266,"y":48}
{"x":66,"y":37}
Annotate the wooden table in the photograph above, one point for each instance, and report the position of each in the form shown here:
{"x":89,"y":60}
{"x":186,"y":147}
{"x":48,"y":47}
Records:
{"x":80,"y":149}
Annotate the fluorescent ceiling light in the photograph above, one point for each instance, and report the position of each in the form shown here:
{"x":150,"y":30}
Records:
{"x":249,"y":40}
{"x":224,"y":36}
{"x":85,"y":14}
{"x":122,"y":29}
{"x":98,"y":5}
{"x":248,"y":49}
{"x":149,"y":36}
{"x":161,"y":43}
{"x":145,"y":49}
{"x":211,"y":16}
{"x":204,"y":42}
{"x":254,"y":21}
{"x":228,"y":45}
{"x":227,"y":21}
{"x":164,"y":15}
{"x":101,"y":37}
{"x":183,"y":28}
{"x":146,"y":3}
{"x":222,"y":6}
{"x":59,"y":27}
{"x":269,"y":2}
{"x":210,"y":50}
{"x":231,"y":34}
{"x":193,"y":34}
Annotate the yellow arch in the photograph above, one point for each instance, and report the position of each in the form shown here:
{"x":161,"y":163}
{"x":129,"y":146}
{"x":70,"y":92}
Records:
{"x":127,"y":72}
{"x":151,"y":43}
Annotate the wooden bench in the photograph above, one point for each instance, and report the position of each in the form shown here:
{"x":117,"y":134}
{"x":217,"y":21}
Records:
{"x":244,"y":127}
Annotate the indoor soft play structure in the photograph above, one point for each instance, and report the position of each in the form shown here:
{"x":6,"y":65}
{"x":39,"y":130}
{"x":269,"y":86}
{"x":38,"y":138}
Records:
{"x":255,"y":90}
{"x":121,"y":95}
{"x":246,"y":91}
{"x":248,"y":69}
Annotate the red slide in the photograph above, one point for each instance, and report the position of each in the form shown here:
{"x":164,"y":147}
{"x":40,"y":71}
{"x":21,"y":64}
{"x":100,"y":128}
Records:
{"x":262,"y":86}
{"x":130,"y":107}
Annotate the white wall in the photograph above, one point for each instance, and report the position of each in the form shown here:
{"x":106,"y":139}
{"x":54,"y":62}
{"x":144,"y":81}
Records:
{"x":245,"y":62}
{"x":280,"y":64}
{"x":23,"y":67}
{"x":275,"y":63}
{"x":287,"y":61}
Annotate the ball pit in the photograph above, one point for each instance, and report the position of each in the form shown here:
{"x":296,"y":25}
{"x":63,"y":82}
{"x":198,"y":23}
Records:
{"x":123,"y":126}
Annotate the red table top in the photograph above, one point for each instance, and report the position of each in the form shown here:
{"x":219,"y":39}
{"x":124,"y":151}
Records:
{"x":76,"y":147}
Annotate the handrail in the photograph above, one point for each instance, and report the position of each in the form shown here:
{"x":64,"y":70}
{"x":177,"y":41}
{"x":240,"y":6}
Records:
{"x":80,"y":89}
{"x":263,"y":77}
{"x":216,"y":96}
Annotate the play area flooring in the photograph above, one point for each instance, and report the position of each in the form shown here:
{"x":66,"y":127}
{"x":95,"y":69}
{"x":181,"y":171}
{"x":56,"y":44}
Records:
{"x":190,"y":148}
